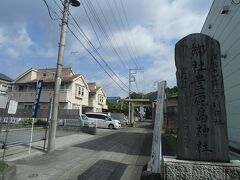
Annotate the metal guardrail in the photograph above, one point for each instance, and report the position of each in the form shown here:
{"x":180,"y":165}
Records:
{"x":20,"y":140}
{"x":43,"y":113}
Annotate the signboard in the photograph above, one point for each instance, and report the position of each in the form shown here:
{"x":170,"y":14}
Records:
{"x":12,"y":108}
{"x":37,"y":98}
{"x":156,"y":156}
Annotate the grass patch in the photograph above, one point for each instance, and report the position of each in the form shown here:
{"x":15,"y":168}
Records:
{"x":3,"y":166}
{"x":172,"y":141}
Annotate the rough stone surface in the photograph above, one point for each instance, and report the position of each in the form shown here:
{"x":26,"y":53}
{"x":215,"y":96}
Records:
{"x":192,"y":170}
{"x":202,"y":125}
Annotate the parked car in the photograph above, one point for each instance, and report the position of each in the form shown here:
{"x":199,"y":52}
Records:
{"x":104,"y":121}
{"x":81,"y":121}
{"x":119,"y":116}
{"x":86,"y":122}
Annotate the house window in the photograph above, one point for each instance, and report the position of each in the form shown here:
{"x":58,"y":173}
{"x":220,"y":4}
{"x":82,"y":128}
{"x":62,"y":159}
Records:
{"x":101,"y":99}
{"x":80,"y":91}
{"x":172,"y":110}
{"x":22,"y":88}
{"x":29,"y":106}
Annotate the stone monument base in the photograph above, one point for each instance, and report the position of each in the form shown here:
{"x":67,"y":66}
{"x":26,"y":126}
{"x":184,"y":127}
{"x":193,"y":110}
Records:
{"x":198,"y":170}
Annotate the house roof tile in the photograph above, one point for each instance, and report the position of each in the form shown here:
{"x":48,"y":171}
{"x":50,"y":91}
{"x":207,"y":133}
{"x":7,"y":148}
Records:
{"x":5,"y":78}
{"x":52,"y":79}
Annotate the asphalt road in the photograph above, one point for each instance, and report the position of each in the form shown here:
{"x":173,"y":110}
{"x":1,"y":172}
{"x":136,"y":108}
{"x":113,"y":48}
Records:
{"x":119,"y":155}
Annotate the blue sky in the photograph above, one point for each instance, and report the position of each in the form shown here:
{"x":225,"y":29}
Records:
{"x":29,"y":38}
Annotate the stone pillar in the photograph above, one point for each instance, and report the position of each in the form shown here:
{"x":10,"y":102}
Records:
{"x":202,"y":126}
{"x":132,"y":113}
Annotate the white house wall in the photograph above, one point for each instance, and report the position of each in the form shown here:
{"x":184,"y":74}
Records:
{"x":31,"y":75}
{"x":67,"y":94}
{"x":226,"y":29}
{"x":83,"y":100}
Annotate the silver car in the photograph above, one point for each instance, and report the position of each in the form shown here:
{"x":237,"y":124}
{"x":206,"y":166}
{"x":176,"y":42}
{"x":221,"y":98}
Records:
{"x":104,"y":121}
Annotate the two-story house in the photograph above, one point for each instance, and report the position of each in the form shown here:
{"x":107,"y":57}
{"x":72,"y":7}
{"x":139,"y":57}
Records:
{"x":5,"y":87}
{"x":74,"y":90}
{"x":97,"y":98}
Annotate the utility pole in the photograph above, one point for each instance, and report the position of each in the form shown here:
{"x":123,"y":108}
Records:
{"x":131,"y":78}
{"x":54,"y":119}
{"x":129,"y":94}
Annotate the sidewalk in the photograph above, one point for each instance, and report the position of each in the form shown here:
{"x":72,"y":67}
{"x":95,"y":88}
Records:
{"x":60,"y":143}
{"x":111,"y":154}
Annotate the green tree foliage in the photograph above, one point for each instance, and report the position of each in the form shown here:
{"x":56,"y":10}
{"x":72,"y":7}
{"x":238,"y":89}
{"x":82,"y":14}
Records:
{"x":118,"y":106}
{"x":135,"y":95}
{"x":171,"y":91}
{"x":121,"y":106}
{"x":152,"y":96}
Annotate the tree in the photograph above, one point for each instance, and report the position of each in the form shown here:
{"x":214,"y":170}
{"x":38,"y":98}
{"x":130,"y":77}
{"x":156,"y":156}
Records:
{"x":152,"y":96}
{"x":119,"y":106}
{"x":171,"y":91}
{"x":135,"y":95}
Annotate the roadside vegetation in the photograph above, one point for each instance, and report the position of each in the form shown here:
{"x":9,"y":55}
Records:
{"x":3,"y":166}
{"x":171,"y":141}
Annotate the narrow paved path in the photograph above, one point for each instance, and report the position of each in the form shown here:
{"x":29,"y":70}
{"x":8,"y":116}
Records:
{"x":121,"y":155}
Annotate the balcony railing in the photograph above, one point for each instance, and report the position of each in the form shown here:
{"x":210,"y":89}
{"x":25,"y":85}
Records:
{"x":29,"y":96}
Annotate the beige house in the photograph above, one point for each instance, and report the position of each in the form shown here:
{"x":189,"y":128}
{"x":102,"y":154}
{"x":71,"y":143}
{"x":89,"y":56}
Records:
{"x":5,"y":84}
{"x":97,"y":98}
{"x":74,"y":90}
{"x":5,"y":87}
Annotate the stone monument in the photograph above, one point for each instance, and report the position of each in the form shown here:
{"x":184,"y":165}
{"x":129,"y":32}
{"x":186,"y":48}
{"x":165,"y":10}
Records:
{"x":202,"y":126}
{"x":202,"y":144}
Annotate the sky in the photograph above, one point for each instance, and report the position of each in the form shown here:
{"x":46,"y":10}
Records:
{"x":121,"y":35}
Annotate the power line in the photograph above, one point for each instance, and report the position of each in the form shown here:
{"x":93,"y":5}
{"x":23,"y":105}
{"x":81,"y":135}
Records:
{"x":130,"y":51}
{"x":90,"y":43}
{"x":128,"y":26}
{"x":91,"y":23}
{"x":86,"y":38}
{"x":49,"y":10}
{"x":96,"y":60}
{"x":102,"y":29}
{"x":118,"y":26}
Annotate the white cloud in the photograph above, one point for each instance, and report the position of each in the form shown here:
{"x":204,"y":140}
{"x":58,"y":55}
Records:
{"x":23,"y":40}
{"x":140,"y":36}
{"x":48,"y":52}
{"x":154,"y":27}
{"x":2,"y":36}
{"x":12,"y":53}
{"x":15,"y":43}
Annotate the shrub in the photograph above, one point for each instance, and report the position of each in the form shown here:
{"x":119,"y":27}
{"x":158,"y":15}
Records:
{"x":40,"y":122}
{"x":3,"y":166}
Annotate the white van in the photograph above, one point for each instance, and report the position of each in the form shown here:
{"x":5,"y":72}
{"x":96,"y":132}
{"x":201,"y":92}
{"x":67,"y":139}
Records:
{"x":82,"y":121}
{"x":104,"y":121}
